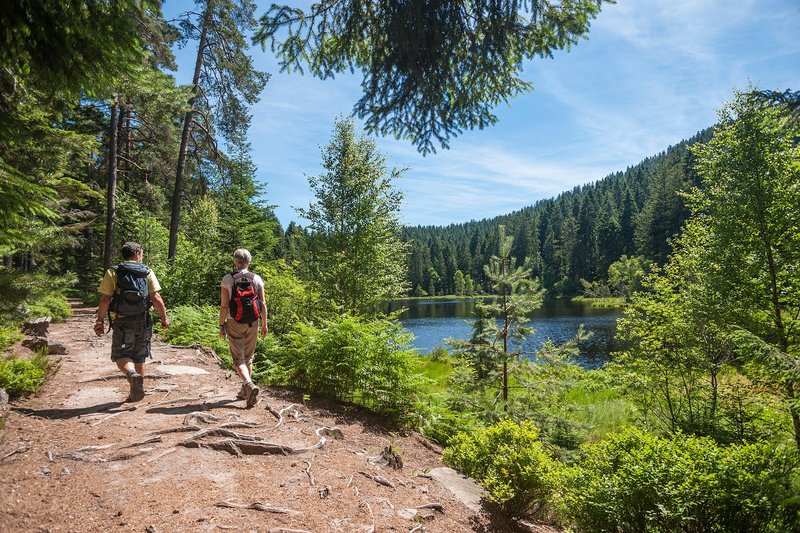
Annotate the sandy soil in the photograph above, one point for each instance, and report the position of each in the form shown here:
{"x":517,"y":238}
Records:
{"x":76,"y":457}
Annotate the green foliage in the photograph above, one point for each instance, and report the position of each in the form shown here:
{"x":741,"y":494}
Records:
{"x":727,"y":301}
{"x":353,"y":359}
{"x":20,"y":376}
{"x":75,"y":48}
{"x":638,"y":482}
{"x":9,"y":335}
{"x":443,"y":425}
{"x":270,"y":365}
{"x":510,"y":462}
{"x":197,"y":325}
{"x":33,"y":295}
{"x":431,"y":69}
{"x":625,"y":275}
{"x":359,"y":260}
{"x":747,"y":239}
{"x":52,"y":305}
{"x":289,"y":300}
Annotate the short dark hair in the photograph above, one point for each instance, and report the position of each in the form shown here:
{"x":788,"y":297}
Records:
{"x":130,"y":249}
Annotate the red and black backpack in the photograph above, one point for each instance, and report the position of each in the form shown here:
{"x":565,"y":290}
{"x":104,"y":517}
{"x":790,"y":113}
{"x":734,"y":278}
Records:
{"x":245,"y":305}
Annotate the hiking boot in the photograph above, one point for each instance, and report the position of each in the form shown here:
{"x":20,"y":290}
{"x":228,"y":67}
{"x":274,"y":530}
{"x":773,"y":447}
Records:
{"x":136,"y":382}
{"x":252,"y":396}
{"x":243,"y":393}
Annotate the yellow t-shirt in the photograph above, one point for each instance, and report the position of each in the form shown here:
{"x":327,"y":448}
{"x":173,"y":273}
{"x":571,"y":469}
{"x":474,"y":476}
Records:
{"x":109,"y":283}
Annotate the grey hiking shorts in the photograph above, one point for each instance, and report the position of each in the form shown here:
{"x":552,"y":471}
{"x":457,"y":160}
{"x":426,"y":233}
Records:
{"x":131,"y":338}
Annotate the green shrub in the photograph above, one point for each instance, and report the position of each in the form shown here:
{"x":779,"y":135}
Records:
{"x":33,"y":294}
{"x":53,"y":305}
{"x":442,"y":424}
{"x":197,"y":325}
{"x":510,"y":462}
{"x":20,"y":376}
{"x":269,"y":362}
{"x":635,"y":481}
{"x":352,"y":359}
{"x":9,"y":335}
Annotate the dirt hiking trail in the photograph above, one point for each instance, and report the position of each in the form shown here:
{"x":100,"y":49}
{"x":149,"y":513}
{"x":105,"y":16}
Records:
{"x":191,"y":457}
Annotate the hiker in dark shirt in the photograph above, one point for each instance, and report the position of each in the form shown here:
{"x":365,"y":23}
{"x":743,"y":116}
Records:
{"x":130,"y":314}
{"x":242,"y":304}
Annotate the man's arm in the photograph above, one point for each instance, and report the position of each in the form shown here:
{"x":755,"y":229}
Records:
{"x":102,"y":309}
{"x":158,"y":303}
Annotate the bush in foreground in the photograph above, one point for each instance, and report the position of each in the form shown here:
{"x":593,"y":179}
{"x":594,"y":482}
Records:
{"x":19,"y":376}
{"x":364,"y":361}
{"x":635,"y":481}
{"x":510,"y":462}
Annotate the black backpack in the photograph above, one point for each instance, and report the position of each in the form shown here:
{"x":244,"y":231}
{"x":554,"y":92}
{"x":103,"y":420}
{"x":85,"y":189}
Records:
{"x":245,"y":304}
{"x":131,"y":296}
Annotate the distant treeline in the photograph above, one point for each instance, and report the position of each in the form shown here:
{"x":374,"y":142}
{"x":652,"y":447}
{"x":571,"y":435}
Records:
{"x":573,"y":236}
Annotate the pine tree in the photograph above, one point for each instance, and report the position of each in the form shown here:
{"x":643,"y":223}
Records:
{"x":516,"y":297}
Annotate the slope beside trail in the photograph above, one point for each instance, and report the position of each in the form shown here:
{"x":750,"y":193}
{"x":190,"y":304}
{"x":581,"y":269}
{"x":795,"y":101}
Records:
{"x":190,"y":457}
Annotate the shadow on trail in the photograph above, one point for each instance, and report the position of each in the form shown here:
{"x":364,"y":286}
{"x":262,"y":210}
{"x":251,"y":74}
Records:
{"x":62,"y":414}
{"x":193,"y":407}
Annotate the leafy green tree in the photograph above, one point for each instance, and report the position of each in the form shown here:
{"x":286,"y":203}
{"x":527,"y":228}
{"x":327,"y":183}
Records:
{"x":431,"y":69}
{"x":625,"y":275}
{"x":359,"y":260}
{"x":728,"y":298}
{"x":748,"y":206}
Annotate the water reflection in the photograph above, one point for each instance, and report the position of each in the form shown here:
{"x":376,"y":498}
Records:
{"x":432,"y":321}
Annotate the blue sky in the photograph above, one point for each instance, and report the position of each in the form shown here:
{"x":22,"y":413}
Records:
{"x":651,"y":73}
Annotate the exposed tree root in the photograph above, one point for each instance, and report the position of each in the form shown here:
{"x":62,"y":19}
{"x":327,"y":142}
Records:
{"x":435,"y":506}
{"x":12,"y":452}
{"x":151,"y":440}
{"x":192,"y":418}
{"x":128,"y":410}
{"x":240,"y":447}
{"x":309,"y":474}
{"x":279,"y":414}
{"x":239,"y":444}
{"x":258,"y":506}
{"x":378,"y":479}
{"x":162,"y":454}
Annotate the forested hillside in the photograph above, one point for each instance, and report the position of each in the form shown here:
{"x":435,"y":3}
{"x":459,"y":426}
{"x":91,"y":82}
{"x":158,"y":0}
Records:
{"x":574,"y":236}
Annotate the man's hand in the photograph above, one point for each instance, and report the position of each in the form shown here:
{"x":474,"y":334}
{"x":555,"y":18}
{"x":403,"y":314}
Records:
{"x":164,"y":322}
{"x":99,"y":327}
{"x":263,"y":329}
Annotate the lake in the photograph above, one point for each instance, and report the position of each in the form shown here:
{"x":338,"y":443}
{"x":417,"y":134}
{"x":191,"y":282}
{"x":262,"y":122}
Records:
{"x":431,"y":321}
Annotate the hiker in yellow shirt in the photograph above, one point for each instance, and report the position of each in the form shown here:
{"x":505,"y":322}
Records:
{"x":127,"y":292}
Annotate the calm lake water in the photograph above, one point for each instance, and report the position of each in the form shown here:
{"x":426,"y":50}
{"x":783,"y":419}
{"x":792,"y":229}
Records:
{"x":433,"y":321}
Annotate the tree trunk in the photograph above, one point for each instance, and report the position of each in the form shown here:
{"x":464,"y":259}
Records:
{"x":180,"y":180}
{"x":125,"y":127}
{"x":111,"y":192}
